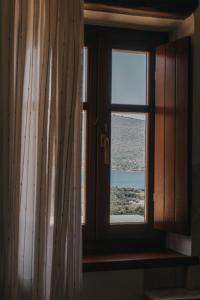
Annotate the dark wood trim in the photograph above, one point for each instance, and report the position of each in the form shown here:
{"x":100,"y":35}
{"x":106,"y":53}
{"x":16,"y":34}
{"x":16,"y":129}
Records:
{"x":151,"y":137}
{"x":100,"y":42}
{"x":182,"y":133}
{"x":159,"y":166}
{"x":128,"y":39}
{"x":103,"y":176}
{"x":145,"y":260}
{"x":190,"y":132}
{"x":85,"y":105}
{"x":136,"y":244}
{"x":175,"y":9}
{"x":134,"y":41}
{"x":172,"y":190}
{"x":130,"y":108}
{"x":169,"y":135}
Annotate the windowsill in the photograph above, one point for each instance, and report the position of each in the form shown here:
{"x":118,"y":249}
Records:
{"x":127,"y":261}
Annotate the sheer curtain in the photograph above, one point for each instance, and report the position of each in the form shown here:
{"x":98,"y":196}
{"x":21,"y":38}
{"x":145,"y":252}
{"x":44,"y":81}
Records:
{"x":40,"y":214}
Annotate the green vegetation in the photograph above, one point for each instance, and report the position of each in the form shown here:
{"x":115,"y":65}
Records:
{"x":127,"y":201}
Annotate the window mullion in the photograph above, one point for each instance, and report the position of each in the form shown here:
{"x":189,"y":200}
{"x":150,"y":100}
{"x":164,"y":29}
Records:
{"x":103,"y":134}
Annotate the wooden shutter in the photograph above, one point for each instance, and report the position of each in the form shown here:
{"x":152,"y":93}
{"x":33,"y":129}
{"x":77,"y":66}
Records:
{"x":171,"y":137}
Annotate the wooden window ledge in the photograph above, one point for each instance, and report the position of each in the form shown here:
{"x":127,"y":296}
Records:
{"x":127,"y":261}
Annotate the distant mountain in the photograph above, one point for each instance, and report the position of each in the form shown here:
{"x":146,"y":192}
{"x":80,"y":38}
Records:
{"x":128,"y":143}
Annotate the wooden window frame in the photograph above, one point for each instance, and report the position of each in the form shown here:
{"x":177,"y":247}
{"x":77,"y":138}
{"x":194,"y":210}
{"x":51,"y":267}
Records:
{"x":97,"y":234}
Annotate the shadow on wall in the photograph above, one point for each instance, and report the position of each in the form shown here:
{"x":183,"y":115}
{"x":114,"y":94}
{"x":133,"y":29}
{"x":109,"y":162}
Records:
{"x":113,"y":285}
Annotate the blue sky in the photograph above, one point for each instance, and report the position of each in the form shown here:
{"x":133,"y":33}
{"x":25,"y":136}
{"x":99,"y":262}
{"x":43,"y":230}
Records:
{"x":128,"y":77}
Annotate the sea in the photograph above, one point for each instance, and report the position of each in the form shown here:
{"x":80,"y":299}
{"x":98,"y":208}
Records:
{"x":119,"y":178}
{"x":128,"y":178}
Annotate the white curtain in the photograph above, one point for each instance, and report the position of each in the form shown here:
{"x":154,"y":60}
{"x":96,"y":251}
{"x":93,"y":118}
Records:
{"x":40,"y":230}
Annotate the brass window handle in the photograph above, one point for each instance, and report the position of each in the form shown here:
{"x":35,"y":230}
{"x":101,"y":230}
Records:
{"x":105,"y":144}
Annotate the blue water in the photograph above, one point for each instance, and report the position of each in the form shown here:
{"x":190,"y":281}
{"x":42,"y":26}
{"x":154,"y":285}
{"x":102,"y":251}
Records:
{"x":125,"y":178}
{"x":128,"y":179}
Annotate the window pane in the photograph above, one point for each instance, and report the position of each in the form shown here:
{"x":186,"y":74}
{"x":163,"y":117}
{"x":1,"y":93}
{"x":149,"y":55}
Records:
{"x":128,"y":168}
{"x":83,"y":170}
{"x":129,"y":77}
{"x":84,"y":75}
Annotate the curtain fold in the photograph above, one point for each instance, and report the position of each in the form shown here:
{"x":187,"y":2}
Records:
{"x":40,"y":128}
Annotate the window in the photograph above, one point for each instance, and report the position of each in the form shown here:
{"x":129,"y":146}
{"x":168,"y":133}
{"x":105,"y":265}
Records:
{"x":118,"y":139}
{"x":84,"y":137}
{"x":129,"y":137}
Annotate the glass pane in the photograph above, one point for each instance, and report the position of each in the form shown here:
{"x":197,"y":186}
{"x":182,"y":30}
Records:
{"x":129,"y":77}
{"x":84,"y":75}
{"x":128,"y":168}
{"x":83,"y":170}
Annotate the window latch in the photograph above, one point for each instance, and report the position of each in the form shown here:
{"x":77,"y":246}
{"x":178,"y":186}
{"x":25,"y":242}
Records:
{"x":105,"y":144}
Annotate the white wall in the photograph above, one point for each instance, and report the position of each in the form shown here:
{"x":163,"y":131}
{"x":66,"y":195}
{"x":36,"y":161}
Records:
{"x":186,"y":28}
{"x":192,"y":28}
{"x":130,"y":284}
{"x":116,"y":285}
{"x":193,"y":278}
{"x":180,"y":243}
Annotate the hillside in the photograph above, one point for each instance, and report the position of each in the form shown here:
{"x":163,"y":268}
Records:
{"x":128,"y":143}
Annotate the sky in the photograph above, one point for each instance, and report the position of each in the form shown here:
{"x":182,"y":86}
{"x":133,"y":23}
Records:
{"x":129,"y":73}
{"x":128,"y":77}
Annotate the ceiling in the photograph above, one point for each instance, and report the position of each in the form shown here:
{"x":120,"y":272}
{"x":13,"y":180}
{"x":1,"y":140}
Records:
{"x":136,"y":22}
{"x":171,"y":9}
